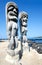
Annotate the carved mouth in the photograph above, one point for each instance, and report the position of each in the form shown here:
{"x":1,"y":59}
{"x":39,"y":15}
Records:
{"x":12,"y":15}
{"x":24,"y":20}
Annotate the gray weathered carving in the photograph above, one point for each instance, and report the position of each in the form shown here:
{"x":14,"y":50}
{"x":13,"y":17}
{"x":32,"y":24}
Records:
{"x":23,"y":16}
{"x":12,"y":28}
{"x":11,"y":20}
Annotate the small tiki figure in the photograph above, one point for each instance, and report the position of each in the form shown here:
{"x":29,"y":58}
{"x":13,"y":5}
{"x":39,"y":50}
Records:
{"x":23,"y":26}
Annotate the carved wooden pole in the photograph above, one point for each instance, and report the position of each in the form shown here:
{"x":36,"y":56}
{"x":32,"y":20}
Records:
{"x":12,"y":26}
{"x":23,"y":16}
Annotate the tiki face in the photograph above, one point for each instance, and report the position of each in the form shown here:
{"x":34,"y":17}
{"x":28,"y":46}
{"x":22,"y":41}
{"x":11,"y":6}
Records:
{"x":24,"y":18}
{"x":12,"y":12}
{"x":23,"y":21}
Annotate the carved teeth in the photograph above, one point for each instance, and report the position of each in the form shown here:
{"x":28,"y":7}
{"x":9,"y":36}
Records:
{"x":24,"y":23}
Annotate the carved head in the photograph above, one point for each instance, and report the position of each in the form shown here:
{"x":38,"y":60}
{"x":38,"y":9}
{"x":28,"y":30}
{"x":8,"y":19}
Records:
{"x":12,"y":11}
{"x":23,"y":16}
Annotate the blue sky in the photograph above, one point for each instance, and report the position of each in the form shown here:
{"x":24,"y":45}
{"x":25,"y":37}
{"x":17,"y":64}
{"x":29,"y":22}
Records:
{"x":34,"y":10}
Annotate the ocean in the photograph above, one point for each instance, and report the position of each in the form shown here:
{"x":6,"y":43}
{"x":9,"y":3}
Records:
{"x":35,"y":40}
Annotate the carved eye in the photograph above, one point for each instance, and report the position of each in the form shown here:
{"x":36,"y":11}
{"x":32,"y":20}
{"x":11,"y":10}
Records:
{"x":10,"y":8}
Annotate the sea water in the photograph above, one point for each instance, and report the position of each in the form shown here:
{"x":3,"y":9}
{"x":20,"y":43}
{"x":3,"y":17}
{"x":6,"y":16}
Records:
{"x":36,"y":40}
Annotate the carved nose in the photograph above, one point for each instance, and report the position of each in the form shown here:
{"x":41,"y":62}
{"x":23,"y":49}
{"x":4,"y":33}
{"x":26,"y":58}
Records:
{"x":14,"y":10}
